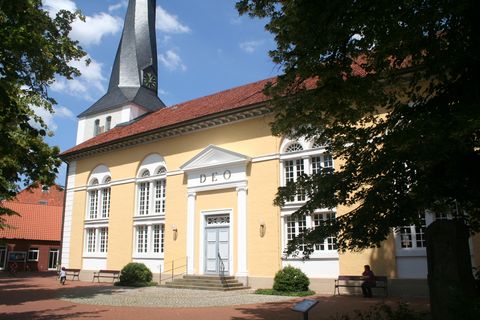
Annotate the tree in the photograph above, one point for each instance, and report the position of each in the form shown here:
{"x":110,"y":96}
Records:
{"x":395,"y":97}
{"x":34,"y":49}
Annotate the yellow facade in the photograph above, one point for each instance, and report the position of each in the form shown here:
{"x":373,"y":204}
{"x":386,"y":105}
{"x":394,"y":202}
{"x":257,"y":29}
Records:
{"x":248,"y":201}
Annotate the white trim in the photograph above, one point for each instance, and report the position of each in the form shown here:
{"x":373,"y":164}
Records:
{"x":203,"y":215}
{"x":267,"y":157}
{"x":226,"y":185}
{"x":242,"y":265}
{"x":191,"y":201}
{"x":68,"y":213}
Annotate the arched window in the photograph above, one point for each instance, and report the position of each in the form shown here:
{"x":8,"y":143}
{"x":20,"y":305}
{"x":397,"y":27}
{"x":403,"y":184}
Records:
{"x":99,"y":194}
{"x":294,"y":147}
{"x":98,"y":212}
{"x":152,"y":187}
{"x":149,"y":221}
{"x":302,"y":157}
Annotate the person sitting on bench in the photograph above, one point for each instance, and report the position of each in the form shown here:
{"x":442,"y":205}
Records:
{"x":369,"y":281}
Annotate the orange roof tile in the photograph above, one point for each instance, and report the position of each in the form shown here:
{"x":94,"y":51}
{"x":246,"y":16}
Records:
{"x":235,"y":98}
{"x":36,"y":222}
{"x":36,"y":195}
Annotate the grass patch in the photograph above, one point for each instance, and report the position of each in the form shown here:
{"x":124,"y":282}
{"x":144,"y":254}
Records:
{"x":272,"y":292}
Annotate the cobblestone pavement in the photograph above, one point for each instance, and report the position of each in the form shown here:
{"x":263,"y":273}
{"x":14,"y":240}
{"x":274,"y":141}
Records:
{"x":40,"y":297}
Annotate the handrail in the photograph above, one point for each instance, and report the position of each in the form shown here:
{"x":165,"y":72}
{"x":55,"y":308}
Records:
{"x":221,"y":267}
{"x":173,"y":268}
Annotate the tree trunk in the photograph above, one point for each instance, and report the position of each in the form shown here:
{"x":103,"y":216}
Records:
{"x":450,"y":277}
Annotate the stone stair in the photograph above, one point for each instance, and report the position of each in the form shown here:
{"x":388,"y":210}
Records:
{"x":217,"y":283}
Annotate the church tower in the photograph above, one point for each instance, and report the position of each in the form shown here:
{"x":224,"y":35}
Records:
{"x":132,"y":90}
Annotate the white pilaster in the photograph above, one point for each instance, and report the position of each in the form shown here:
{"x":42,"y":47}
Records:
{"x":67,"y":219}
{"x":191,"y":230}
{"x":242,"y":232}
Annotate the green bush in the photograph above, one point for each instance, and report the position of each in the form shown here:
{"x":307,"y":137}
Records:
{"x":291,"y":279}
{"x":135,"y":274}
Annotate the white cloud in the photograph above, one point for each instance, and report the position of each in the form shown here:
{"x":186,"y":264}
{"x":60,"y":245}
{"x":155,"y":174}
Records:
{"x":172,"y":61}
{"x":91,"y":79}
{"x":169,"y":23}
{"x":50,"y":118}
{"x":117,"y":6}
{"x":251,"y":46}
{"x":95,"y":28}
{"x":53,"y":6}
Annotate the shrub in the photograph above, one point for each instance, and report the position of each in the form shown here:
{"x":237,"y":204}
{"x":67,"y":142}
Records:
{"x":291,"y":279}
{"x":135,"y":274}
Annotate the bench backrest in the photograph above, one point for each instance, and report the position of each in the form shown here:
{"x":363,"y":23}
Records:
{"x":72,"y":270}
{"x":109,"y":271}
{"x":359,"y":278}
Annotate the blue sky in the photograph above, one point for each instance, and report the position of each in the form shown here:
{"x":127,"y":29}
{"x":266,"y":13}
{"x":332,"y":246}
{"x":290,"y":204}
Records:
{"x":203,"y":47}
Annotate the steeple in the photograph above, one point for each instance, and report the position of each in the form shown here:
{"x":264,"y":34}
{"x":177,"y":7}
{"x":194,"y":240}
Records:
{"x":134,"y":73}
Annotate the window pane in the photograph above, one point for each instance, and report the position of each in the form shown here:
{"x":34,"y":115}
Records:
{"x":105,"y":202}
{"x":91,"y":240}
{"x":142,"y":237}
{"x":156,"y":238}
{"x":144,"y":198}
{"x":406,"y":237}
{"x":103,"y":239}
{"x":327,"y":161}
{"x":160,"y":196}
{"x":316,"y":165}
{"x":93,"y":210}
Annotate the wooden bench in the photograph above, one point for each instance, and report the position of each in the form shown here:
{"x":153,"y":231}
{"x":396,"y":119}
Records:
{"x":113,"y":274}
{"x":75,"y":273}
{"x":356,"y":282}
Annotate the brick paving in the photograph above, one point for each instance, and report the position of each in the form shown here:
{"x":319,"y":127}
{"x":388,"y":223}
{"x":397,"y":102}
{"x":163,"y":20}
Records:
{"x":40,"y":296}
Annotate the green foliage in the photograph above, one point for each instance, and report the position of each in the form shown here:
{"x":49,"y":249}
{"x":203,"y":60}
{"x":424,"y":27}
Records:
{"x":385,"y":312}
{"x":290,"y":279}
{"x":271,"y":292}
{"x":344,"y":63}
{"x":34,"y":49}
{"x":135,"y":275}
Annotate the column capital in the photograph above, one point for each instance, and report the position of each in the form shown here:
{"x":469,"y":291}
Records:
{"x":241,"y":188}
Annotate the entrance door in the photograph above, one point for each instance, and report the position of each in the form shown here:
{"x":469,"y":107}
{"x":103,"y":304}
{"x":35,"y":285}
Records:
{"x":3,"y":257}
{"x":217,"y":251}
{"x":53,"y":259}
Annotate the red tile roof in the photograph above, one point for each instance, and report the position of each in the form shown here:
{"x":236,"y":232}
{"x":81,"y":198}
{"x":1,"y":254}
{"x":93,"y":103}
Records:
{"x":53,"y":196}
{"x":235,"y":98}
{"x":36,"y":222}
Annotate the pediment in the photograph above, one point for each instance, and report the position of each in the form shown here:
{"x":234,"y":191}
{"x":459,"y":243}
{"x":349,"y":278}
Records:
{"x":213,"y":156}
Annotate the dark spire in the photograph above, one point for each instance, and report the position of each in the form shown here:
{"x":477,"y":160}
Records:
{"x":134,"y":74}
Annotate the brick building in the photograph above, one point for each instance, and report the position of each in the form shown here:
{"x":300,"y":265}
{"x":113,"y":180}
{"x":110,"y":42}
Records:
{"x":33,"y":239}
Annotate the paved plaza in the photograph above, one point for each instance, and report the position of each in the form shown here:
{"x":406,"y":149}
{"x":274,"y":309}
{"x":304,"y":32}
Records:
{"x":40,"y":296}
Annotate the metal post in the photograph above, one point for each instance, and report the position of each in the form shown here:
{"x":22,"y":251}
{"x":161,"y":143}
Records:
{"x":173,"y":264}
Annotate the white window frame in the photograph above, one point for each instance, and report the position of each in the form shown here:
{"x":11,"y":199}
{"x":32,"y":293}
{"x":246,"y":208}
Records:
{"x":302,"y":158}
{"x":34,"y":251}
{"x":151,"y":182}
{"x":414,"y":250}
{"x":148,"y":239}
{"x":102,"y":193}
{"x":309,"y":224}
{"x":99,"y":246}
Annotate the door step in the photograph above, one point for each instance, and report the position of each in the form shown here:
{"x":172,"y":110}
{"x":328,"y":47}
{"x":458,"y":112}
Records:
{"x":215,"y":283}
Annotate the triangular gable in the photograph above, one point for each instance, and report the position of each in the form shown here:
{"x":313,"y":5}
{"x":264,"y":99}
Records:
{"x":213,"y":156}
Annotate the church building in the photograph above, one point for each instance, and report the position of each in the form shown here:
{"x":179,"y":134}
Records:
{"x":190,"y":187}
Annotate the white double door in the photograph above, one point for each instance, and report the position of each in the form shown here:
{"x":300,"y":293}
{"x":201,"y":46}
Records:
{"x":217,"y":250}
